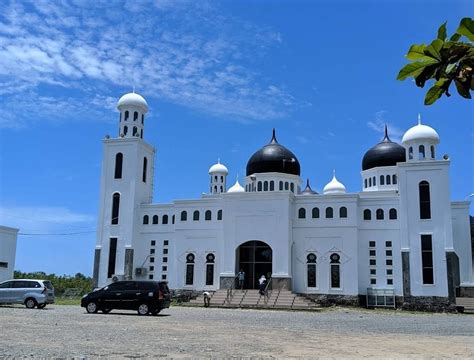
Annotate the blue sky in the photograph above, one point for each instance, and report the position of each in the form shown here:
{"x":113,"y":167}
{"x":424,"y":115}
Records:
{"x":217,"y":77}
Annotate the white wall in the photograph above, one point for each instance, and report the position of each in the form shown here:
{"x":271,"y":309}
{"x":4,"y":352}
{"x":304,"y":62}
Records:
{"x":462,"y":240}
{"x":8,"y":240}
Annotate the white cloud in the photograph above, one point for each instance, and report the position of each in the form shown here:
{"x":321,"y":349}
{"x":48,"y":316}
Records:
{"x":45,"y":219}
{"x":379,"y":122}
{"x":186,"y":53}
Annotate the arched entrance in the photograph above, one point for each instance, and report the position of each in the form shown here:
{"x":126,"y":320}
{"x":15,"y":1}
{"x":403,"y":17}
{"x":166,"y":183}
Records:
{"x":255,"y":259}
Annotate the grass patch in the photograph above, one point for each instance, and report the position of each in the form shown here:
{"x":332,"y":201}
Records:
{"x":67,"y":301}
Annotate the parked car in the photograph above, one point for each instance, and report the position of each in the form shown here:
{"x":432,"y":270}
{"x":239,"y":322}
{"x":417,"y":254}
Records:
{"x":32,"y":293}
{"x":146,"y":297}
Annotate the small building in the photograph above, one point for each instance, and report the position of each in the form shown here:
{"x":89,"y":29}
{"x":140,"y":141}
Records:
{"x":401,"y":232}
{"x":8,"y":239}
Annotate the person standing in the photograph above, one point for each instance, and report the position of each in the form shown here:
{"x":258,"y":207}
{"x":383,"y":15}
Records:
{"x":241,"y":278}
{"x":262,"y":282}
{"x":207,"y":299}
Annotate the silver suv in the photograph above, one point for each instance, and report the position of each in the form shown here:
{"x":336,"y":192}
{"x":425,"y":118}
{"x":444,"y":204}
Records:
{"x":32,"y":293}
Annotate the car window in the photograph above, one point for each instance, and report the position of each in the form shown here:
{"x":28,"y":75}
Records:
{"x":147,"y":285}
{"x":164,"y":287}
{"x":6,"y":285}
{"x":48,"y":285}
{"x":122,"y":285}
{"x":20,"y":284}
{"x":33,"y":284}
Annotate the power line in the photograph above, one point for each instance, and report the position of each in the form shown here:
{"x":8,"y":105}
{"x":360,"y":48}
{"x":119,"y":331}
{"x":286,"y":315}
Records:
{"x":53,"y":234}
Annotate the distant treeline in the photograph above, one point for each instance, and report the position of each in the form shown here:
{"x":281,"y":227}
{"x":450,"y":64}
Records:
{"x":60,"y":283}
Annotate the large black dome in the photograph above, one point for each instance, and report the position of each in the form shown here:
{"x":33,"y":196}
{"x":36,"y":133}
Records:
{"x":273,"y":158}
{"x":385,"y":153}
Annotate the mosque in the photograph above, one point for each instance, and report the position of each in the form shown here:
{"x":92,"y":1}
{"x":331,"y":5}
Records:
{"x":401,"y":232}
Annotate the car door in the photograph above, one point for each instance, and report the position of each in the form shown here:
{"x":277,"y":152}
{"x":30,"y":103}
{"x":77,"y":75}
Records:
{"x":112,"y":295}
{"x":17,"y":291}
{"x":130,"y":295}
{"x":6,"y":292}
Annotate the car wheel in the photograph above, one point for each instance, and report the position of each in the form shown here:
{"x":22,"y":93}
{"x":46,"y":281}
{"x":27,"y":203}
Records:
{"x":41,"y":306}
{"x":30,"y":303}
{"x":91,"y":307}
{"x":143,"y":309}
{"x":106,"y":311}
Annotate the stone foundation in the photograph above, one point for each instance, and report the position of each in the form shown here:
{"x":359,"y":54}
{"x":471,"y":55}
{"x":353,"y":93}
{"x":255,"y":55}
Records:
{"x":226,"y":282}
{"x":181,"y":295}
{"x":281,"y":283}
{"x":326,"y":300}
{"x":465,"y":291}
{"x":428,"y":304}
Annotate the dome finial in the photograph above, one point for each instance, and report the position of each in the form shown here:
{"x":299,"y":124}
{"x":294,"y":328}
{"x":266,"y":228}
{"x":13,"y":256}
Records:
{"x":307,"y":182}
{"x":419,"y":119}
{"x":274,"y":139}
{"x":218,"y":160}
{"x":334,"y":173}
{"x":133,"y":89}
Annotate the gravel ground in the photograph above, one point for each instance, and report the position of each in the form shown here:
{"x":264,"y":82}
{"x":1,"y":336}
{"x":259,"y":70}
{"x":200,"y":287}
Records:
{"x":69,"y":332}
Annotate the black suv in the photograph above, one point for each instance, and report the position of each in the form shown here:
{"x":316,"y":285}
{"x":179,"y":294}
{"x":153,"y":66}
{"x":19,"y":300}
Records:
{"x":147,"y":297}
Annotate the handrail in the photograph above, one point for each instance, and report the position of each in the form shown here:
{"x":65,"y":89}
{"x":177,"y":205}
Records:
{"x":230,"y":290}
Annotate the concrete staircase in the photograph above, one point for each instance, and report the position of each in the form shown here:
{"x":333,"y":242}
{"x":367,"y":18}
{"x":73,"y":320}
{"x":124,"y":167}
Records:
{"x":277,"y":299}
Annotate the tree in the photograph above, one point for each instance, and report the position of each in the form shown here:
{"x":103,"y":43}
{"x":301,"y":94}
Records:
{"x":444,"y":61}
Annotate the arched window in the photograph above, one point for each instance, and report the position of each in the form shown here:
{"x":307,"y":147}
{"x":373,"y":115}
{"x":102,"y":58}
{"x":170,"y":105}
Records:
{"x":210,"y":258}
{"x":410,"y":153}
{"x":125,"y":130}
{"x":222,"y":189}
{"x":215,"y":178}
{"x":432,"y":151}
{"x":387,"y":181}
{"x":172,"y":219}
{"x":421,"y":152}
{"x":265,"y":186}
{"x":127,"y":114}
{"x":281,"y":185}
{"x":315,"y":213}
{"x":222,"y":179}
{"x":272,"y":185}
{"x":189,"y":269}
{"x":120,"y":117}
{"x":141,"y":133}
{"x":394,"y":179}
{"x":118,"y":165}
{"x":135,"y":130}
{"x":135,"y":116}
{"x":292,"y":187}
{"x":286,"y":185}
{"x":335,"y":271}
{"x":143,"y":119}
{"x":311,"y":270}
{"x":365,"y":183}
{"x":374,"y":182}
{"x":155,"y":220}
{"x":379,"y":214}
{"x":370,"y":182}
{"x":382,"y":180}
{"x":145,"y":163}
{"x":115,"y":208}
{"x":343,"y":212}
{"x":196,"y":215}
{"x":184,"y":216}
{"x":392,"y":214}
{"x":259,"y":186}
{"x":219,"y":215}
{"x":329,"y":213}
{"x":146,"y":220}
{"x":367,"y":214}
{"x":208,"y":215}
{"x":164,"y":219}
{"x":302,"y":213}
{"x":425,"y":201}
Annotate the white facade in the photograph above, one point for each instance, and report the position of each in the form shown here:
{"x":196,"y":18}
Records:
{"x":309,"y":243}
{"x":8,"y":239}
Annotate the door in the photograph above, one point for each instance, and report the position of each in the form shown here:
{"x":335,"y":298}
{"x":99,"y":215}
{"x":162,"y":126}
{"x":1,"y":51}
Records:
{"x":6,"y":292}
{"x":254,"y":258}
{"x":112,"y":296}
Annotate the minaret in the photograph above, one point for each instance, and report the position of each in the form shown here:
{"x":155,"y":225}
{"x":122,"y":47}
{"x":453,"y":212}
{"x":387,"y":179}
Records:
{"x":126,"y":183}
{"x":420,"y":142}
{"x":218,"y":173}
{"x":132,"y":108}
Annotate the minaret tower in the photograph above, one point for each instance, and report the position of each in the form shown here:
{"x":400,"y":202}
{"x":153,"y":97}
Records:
{"x":420,"y":142}
{"x":126,"y":182}
{"x":218,"y":173}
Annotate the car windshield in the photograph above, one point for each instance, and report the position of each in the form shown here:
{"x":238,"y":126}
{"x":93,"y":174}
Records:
{"x":48,"y":285}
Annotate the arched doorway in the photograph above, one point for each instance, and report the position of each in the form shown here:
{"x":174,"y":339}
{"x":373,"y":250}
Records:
{"x":255,"y":259}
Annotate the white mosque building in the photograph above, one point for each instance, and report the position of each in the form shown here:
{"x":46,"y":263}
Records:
{"x":401,"y":232}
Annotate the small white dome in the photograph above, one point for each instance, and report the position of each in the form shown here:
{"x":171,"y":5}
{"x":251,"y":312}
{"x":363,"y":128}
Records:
{"x":218,"y":168}
{"x":421,"y":133}
{"x":132,"y":99}
{"x":236,"y":188}
{"x":334,"y":187}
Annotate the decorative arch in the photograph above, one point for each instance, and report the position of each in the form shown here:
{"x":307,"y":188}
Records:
{"x":255,"y":258}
